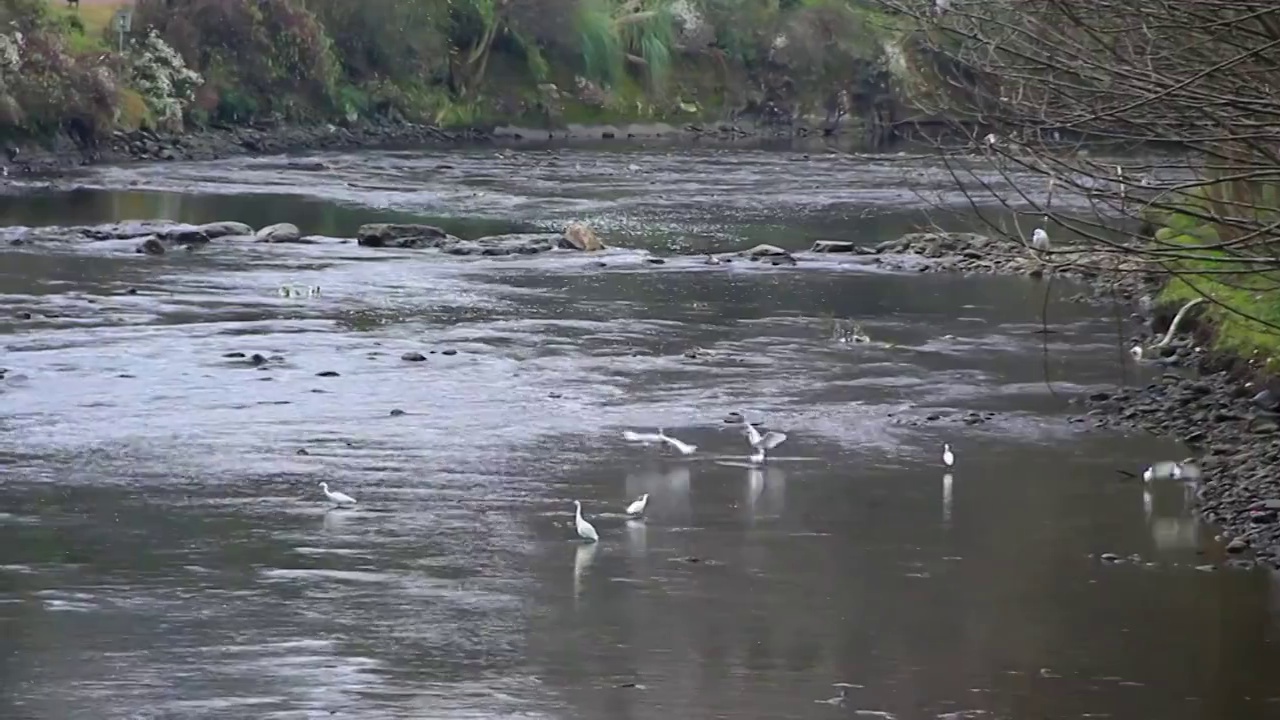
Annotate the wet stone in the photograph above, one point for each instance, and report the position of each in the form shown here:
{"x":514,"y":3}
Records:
{"x":150,"y":246}
{"x":413,"y":357}
{"x":279,"y":233}
{"x":327,"y":373}
{"x":834,"y":246}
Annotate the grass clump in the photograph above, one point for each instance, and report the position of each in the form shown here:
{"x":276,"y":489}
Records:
{"x":1243,"y":295}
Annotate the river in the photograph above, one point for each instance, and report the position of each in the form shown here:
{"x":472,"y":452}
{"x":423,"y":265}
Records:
{"x":165,"y":551}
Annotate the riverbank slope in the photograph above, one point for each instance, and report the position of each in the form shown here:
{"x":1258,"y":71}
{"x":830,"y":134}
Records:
{"x":191,"y":79}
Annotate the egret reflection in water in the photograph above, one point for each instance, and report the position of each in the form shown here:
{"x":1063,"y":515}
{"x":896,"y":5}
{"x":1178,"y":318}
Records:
{"x":583,"y":556}
{"x":636,"y":530}
{"x":765,"y":492}
{"x":1180,"y":531}
{"x":947,"y":481}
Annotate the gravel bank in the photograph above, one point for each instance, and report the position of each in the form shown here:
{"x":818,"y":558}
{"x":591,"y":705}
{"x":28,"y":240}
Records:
{"x":1220,"y":405}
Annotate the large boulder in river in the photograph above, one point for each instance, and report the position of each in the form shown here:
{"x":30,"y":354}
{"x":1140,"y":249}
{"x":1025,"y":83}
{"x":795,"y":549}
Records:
{"x":403,"y":235}
{"x":279,"y":233}
{"x":225,"y":228}
{"x":765,"y":250}
{"x":512,"y":244}
{"x":199,"y":234}
{"x":837,"y":246}
{"x":578,"y":236}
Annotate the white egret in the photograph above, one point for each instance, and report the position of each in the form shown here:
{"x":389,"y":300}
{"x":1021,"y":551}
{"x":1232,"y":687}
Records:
{"x":761,"y":443}
{"x":1136,"y":351}
{"x":948,"y":457}
{"x":1172,"y":470}
{"x":642,"y":438}
{"x":338,"y":498}
{"x":586,"y":530}
{"x":1040,"y":239}
{"x":681,"y":447}
{"x":637,"y":508}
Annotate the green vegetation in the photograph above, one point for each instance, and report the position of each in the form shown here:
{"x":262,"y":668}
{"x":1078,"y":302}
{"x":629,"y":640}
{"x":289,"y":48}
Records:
{"x":1215,"y":255}
{"x":448,"y":62}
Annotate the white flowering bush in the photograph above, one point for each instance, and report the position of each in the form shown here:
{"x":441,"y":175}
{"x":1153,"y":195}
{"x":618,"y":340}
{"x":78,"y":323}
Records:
{"x":10,"y":64}
{"x":11,"y":51}
{"x":162,"y":77}
{"x":693,"y":30}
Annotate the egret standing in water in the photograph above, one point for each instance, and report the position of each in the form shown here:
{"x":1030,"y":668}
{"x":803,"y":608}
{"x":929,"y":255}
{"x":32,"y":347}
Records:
{"x":1165,"y":470}
{"x":636,"y":509}
{"x":948,"y":458}
{"x":760,"y":443}
{"x":681,"y":447}
{"x":337,"y":498}
{"x":586,"y":530}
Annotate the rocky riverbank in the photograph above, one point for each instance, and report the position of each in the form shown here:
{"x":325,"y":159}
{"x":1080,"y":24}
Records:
{"x":214,"y":143}
{"x":1110,"y":275}
{"x":1227,"y":415}
{"x":1223,"y":407}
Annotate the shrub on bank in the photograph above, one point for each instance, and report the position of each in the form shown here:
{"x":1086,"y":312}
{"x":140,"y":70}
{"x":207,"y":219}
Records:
{"x":257,"y":57}
{"x":46,"y":84}
{"x":443,"y":61}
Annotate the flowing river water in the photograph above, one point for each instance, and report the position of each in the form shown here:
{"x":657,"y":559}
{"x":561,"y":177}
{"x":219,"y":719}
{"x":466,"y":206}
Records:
{"x":165,"y":551}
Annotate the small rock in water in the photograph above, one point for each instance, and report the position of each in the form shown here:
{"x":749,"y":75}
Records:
{"x":1237,"y":546}
{"x":257,"y":359}
{"x":578,"y":236}
{"x":327,"y":373}
{"x":413,"y":357}
{"x":302,"y":451}
{"x":233,"y":355}
{"x":396,"y":412}
{"x":150,"y":246}
{"x":449,"y":351}
{"x":655,"y":261}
